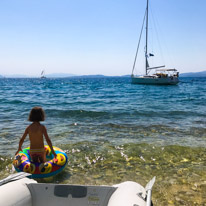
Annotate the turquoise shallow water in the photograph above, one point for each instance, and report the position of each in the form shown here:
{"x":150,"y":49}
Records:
{"x":114,"y":131}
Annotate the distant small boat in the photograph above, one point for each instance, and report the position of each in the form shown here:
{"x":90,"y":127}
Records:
{"x":161,"y":76}
{"x":43,"y":74}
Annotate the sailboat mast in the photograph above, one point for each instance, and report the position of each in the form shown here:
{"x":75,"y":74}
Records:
{"x":146,"y":62}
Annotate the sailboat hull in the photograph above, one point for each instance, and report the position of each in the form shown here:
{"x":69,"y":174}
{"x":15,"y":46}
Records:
{"x":153,"y":80}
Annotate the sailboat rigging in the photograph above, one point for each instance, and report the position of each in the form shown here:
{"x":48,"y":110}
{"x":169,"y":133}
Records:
{"x":162,"y":76}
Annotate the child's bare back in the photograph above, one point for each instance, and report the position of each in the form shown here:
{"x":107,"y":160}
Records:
{"x":36,"y":132}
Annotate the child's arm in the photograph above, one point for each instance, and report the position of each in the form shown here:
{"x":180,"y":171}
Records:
{"x":22,"y":140}
{"x":49,"y":141}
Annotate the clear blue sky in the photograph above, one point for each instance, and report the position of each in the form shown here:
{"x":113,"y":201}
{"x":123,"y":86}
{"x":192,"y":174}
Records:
{"x":97,"y":36}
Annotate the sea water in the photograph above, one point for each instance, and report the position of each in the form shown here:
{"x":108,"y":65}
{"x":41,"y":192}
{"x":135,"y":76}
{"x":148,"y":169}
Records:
{"x":115,"y":131}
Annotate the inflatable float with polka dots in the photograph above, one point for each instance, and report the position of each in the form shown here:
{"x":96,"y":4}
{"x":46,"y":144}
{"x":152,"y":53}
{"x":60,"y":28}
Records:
{"x":22,"y":163}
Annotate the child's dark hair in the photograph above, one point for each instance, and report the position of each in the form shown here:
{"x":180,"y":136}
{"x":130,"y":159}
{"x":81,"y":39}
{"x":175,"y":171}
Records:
{"x":36,"y":114}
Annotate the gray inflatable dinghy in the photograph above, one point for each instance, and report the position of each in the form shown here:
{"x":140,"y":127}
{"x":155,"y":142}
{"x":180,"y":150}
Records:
{"x":19,"y":190}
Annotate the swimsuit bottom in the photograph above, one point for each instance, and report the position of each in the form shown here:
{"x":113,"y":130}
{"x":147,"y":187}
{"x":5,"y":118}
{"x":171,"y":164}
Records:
{"x":38,"y":155}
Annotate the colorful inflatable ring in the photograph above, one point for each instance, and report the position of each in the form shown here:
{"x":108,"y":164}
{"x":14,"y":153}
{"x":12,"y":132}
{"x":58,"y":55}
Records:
{"x":53,"y":166}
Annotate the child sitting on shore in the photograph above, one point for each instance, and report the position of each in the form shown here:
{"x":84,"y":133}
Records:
{"x":36,"y":131}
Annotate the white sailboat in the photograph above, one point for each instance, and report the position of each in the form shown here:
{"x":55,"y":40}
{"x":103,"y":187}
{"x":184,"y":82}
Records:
{"x":43,"y":74}
{"x":160,"y":76}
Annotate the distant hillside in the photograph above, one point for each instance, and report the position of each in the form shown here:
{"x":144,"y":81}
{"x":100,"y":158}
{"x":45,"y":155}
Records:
{"x":55,"y":75}
{"x":90,"y":76}
{"x":16,"y":76}
{"x":193,"y":74}
{"x":64,"y":75}
{"x":59,"y":75}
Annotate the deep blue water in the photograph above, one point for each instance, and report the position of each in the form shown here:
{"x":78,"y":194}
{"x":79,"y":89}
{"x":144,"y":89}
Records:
{"x":115,"y":131}
{"x":110,"y":109}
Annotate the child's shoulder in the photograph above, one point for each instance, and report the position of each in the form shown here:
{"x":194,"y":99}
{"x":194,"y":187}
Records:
{"x":35,"y":126}
{"x":42,"y":126}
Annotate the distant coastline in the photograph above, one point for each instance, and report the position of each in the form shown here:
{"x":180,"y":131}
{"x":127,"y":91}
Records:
{"x":61,"y":75}
{"x":64,"y":75}
{"x":194,"y":74}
